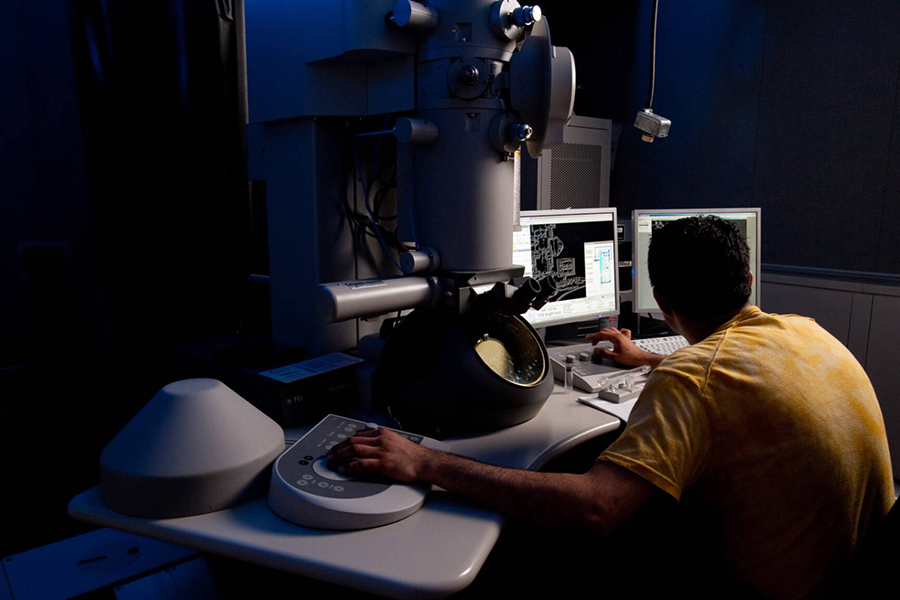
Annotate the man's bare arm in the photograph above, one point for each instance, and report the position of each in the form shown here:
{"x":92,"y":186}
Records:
{"x":597,"y":501}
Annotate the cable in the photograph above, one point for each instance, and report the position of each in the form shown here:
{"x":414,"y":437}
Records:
{"x":412,"y":186}
{"x":657,"y":325}
{"x":653,"y":56}
{"x":372,"y":216}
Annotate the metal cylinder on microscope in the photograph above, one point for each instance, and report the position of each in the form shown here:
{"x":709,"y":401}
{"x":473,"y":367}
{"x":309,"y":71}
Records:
{"x":372,"y":297}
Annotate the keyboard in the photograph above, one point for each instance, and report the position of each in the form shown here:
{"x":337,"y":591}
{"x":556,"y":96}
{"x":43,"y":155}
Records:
{"x":665,"y":345}
{"x":588,"y":375}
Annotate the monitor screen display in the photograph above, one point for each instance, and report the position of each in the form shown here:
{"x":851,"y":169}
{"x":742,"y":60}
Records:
{"x":577,"y":249}
{"x":644,"y":222}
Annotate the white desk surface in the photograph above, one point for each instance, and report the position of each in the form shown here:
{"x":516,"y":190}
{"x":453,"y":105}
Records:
{"x":433,"y":553}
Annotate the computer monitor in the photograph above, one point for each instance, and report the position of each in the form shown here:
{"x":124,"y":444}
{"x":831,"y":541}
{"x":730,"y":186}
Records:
{"x":644,"y":222}
{"x":577,"y":249}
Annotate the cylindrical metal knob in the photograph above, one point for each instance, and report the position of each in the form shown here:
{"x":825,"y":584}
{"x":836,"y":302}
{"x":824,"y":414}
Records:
{"x":415,"y":16}
{"x":416,"y":131}
{"x":372,"y":297}
{"x":527,"y":15}
{"x":418,"y":261}
{"x":509,"y":20}
{"x":520,"y":131}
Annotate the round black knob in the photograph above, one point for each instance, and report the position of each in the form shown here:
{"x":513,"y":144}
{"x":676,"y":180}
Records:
{"x":468,"y":75}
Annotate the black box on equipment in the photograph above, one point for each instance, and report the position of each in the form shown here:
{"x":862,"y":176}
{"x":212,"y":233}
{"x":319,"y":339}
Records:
{"x":306,"y":391}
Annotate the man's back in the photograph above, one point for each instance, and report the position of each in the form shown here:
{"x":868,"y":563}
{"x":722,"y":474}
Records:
{"x":769,"y":431}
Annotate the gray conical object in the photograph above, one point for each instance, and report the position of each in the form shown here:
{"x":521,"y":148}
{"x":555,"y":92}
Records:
{"x":196,"y":447}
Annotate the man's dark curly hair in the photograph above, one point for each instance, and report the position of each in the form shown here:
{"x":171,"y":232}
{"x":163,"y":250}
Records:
{"x":701,"y":266}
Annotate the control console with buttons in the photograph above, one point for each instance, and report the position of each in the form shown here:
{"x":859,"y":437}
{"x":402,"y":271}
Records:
{"x":588,"y":370}
{"x":304,"y":491}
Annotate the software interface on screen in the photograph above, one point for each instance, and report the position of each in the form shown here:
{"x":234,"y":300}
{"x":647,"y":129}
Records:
{"x":645,"y":222}
{"x":577,"y":250}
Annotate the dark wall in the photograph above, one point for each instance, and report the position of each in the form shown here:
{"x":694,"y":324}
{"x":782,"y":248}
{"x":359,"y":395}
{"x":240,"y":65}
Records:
{"x":784,"y":105}
{"x":53,"y":370}
{"x":123,"y":228}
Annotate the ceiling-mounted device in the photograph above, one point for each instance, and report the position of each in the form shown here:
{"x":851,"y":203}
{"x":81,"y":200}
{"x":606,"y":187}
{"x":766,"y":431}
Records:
{"x":653,"y":125}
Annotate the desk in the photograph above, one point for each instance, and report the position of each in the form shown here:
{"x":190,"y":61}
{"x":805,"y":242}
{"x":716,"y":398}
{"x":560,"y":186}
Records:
{"x":433,"y":553}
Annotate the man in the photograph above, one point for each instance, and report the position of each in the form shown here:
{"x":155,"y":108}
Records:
{"x":765,"y":428}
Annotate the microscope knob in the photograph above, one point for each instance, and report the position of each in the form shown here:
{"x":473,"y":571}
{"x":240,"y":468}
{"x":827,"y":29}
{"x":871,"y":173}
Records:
{"x":506,"y":135}
{"x":413,"y":16}
{"x":527,"y":15}
{"x":468,"y":75}
{"x":468,"y":78}
{"x":509,"y":20}
{"x":520,"y":131}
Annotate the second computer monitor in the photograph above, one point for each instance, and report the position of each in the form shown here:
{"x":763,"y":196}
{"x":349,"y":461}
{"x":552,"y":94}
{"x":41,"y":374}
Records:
{"x":747,"y":220}
{"x":577,"y":250}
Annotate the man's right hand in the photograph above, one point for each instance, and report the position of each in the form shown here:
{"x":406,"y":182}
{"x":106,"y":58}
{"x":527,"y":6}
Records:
{"x":381,"y":451}
{"x":624,"y":351}
{"x":597,"y":501}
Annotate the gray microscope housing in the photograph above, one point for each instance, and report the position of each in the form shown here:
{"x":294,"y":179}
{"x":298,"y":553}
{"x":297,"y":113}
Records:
{"x":463,"y":85}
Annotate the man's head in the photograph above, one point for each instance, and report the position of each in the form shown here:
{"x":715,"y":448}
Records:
{"x":700,"y":266}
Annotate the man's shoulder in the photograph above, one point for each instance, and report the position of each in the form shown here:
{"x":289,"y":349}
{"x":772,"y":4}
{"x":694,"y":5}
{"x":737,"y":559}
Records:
{"x":753,"y":317}
{"x":692,"y":362}
{"x":751,"y":337}
{"x":684,"y":373}
{"x":780,"y":332}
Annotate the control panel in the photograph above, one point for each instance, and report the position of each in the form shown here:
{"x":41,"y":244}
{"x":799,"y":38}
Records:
{"x":304,"y":491}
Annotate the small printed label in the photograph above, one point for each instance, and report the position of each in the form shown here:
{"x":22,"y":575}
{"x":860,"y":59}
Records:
{"x":361,"y":285}
{"x":313,"y":366}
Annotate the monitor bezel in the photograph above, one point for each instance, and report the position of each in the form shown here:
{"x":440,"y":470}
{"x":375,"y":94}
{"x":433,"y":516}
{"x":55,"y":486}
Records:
{"x":604,"y":210}
{"x":687,"y":212}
